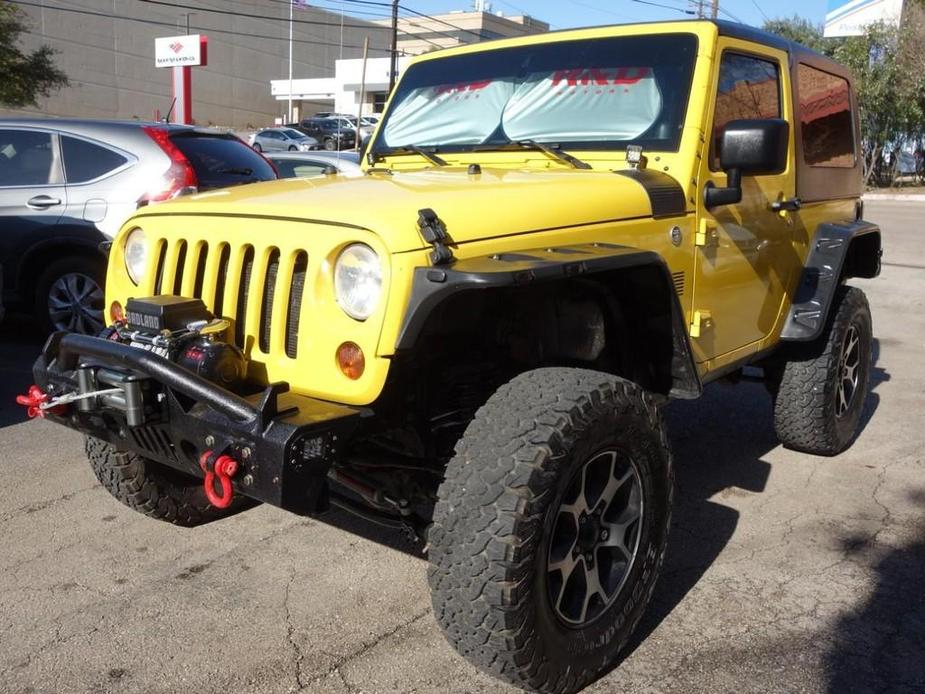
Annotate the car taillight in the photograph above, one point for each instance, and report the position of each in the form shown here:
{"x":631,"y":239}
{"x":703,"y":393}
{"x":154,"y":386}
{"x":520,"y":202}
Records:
{"x":180,"y":177}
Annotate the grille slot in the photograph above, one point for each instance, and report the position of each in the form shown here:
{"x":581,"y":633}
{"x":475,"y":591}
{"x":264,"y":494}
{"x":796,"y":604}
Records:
{"x":159,"y":268}
{"x":224,"y":254}
{"x":200,"y":269}
{"x":678,"y":279}
{"x":247,"y":269}
{"x":181,"y":263}
{"x":266,"y":303}
{"x":295,"y":304}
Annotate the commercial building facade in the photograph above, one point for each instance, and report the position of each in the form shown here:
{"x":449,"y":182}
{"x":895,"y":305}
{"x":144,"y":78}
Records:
{"x":106,"y":48}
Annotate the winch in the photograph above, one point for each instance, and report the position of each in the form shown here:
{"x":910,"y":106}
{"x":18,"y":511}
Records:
{"x":185,"y":332}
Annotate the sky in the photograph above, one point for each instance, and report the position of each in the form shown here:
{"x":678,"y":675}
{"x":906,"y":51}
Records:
{"x":564,"y":14}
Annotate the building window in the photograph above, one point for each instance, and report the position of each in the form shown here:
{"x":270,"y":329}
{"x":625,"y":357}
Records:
{"x":749,"y":87}
{"x":825,"y":118}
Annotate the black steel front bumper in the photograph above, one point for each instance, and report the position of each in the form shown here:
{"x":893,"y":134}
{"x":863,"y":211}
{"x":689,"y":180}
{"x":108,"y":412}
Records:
{"x":284,"y":443}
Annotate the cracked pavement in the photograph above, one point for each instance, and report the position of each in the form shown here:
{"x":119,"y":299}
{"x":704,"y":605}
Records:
{"x":785,"y":573}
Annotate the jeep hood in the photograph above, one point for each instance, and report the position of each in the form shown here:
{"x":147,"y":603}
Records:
{"x":496,"y":202}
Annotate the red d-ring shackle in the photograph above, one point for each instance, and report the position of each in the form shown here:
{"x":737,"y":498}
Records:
{"x":225,"y":467}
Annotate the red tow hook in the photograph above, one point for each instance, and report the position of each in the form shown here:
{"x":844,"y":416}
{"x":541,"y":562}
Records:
{"x":224,"y":467}
{"x":33,"y":401}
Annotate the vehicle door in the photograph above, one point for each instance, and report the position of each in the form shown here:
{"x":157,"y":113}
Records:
{"x":33,"y":196}
{"x":277,"y":141}
{"x":95,"y":176}
{"x":744,"y":257}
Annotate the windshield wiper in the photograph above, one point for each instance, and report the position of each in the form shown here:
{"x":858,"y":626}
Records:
{"x":554,"y":151}
{"x":238,"y":171}
{"x":414,"y":149}
{"x":550,"y":149}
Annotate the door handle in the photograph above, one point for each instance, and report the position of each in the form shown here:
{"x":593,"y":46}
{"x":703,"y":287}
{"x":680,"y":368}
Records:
{"x":790,"y":205}
{"x":42,"y":202}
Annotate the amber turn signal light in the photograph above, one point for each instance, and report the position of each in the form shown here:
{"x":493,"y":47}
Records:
{"x":350,"y":360}
{"x":116,"y":314}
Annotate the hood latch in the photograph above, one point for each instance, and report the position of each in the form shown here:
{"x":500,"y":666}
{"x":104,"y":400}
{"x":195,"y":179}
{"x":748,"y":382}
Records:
{"x":434,"y":232}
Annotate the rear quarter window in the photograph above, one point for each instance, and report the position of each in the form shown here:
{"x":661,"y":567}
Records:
{"x":825,"y":118}
{"x":85,"y":161}
{"x":220,"y":161}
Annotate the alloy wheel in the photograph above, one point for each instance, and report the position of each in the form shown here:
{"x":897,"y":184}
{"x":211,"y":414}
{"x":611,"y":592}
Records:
{"x":75,"y":304}
{"x":848,"y":371}
{"x":595,"y":538}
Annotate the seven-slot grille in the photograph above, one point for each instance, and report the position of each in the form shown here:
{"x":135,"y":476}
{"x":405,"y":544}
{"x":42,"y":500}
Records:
{"x":185,"y":268}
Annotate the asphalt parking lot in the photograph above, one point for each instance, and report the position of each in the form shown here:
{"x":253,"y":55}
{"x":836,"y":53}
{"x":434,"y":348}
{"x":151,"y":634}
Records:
{"x":785,"y":573}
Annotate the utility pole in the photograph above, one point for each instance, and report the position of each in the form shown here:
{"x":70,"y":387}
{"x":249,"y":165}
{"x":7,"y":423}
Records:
{"x":393,"y":68}
{"x":289,"y":107}
{"x":356,"y":146}
{"x":714,"y":9}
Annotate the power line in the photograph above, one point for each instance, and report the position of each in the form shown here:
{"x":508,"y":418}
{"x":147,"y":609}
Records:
{"x":108,"y":15}
{"x":758,"y":7}
{"x":601,"y":10}
{"x":313,"y":22}
{"x":665,"y":7}
{"x":478,"y":35}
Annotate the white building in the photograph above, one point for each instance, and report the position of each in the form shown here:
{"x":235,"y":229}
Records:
{"x":341,"y":92}
{"x":417,"y":35}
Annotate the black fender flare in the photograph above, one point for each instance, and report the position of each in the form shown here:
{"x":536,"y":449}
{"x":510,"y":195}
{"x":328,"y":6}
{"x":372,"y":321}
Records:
{"x":833,"y":256}
{"x":433,"y":285}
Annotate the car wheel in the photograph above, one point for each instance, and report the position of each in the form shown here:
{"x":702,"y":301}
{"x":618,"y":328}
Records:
{"x":257,"y":147}
{"x":551,"y":526}
{"x":293,"y":148}
{"x":822,"y":386}
{"x":69,"y":296}
{"x":153,"y":489}
{"x":329,"y":144}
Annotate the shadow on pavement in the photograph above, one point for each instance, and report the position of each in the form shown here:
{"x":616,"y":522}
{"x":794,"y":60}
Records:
{"x":20,"y":344}
{"x":879,"y":646}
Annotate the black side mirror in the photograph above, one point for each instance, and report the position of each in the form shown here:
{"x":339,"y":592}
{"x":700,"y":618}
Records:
{"x":748,"y":148}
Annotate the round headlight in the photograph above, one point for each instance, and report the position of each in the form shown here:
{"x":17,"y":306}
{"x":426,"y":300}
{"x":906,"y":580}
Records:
{"x":358,"y":281}
{"x":136,"y":254}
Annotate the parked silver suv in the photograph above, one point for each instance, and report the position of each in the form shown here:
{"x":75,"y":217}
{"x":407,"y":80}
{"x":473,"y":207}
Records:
{"x":66,"y":186}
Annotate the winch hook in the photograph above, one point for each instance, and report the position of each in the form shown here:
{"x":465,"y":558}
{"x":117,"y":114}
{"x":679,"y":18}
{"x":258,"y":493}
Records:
{"x":34,"y":400}
{"x":224,"y":467}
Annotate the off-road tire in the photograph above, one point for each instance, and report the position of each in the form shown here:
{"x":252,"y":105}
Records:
{"x":502,"y":493}
{"x":807,"y":390}
{"x":154,"y":489}
{"x":329,"y":144}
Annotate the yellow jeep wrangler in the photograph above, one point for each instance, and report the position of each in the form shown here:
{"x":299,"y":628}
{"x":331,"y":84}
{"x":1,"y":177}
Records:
{"x":554,"y":236}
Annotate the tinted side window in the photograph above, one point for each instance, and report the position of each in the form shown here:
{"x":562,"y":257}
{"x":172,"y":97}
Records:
{"x":26,"y":158}
{"x":222,"y":161}
{"x":85,"y":161}
{"x":289,"y":168}
{"x":825,"y":118}
{"x":749,"y":87}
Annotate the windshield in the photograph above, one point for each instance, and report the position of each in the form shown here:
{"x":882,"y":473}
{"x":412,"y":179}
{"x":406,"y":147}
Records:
{"x":294,"y":134}
{"x":591,"y":94}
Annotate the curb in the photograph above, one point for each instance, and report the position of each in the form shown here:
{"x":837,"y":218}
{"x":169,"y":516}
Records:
{"x":908,"y":197}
